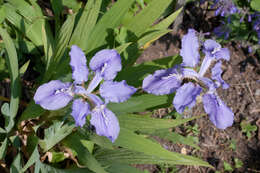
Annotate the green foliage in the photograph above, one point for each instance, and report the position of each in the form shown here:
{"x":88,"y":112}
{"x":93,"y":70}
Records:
{"x":238,"y":163}
{"x":248,"y":128}
{"x":227,"y":167}
{"x":255,"y":4}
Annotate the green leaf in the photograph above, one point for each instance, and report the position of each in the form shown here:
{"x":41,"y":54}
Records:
{"x":61,"y":42}
{"x":23,"y":69}
{"x":16,"y":166}
{"x":144,"y":19}
{"x":146,"y":123}
{"x":32,"y":111}
{"x":227,"y":167}
{"x":2,"y":14}
{"x":47,"y":47}
{"x":132,"y":141}
{"x":86,"y":23}
{"x":165,"y":23}
{"x":57,"y":157}
{"x":238,"y":163}
{"x":35,"y":156}
{"x":72,"y":4}
{"x":255,"y":4}
{"x":12,"y":62}
{"x":85,"y":158}
{"x":140,"y":104}
{"x":109,"y":20}
{"x":54,"y":134}
{"x":123,"y":168}
{"x":3,"y":149}
{"x":49,"y":169}
{"x":175,"y":137}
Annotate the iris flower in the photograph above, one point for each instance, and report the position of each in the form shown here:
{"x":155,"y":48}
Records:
{"x":188,"y":84}
{"x":105,"y":65}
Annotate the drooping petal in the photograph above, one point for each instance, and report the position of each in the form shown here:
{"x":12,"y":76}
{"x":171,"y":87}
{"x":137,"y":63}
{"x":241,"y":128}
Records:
{"x":209,"y":45}
{"x":162,"y":81}
{"x":106,"y":62}
{"x":105,"y":122}
{"x":186,"y":96}
{"x":209,"y":84}
{"x":223,"y":53}
{"x":78,"y":64}
{"x":116,"y":91}
{"x":53,"y":95}
{"x":220,"y":115}
{"x":190,"y":49}
{"x":216,"y":72}
{"x":80,"y":110}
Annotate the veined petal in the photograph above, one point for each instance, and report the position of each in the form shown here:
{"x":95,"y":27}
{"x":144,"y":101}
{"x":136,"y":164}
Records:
{"x":94,"y":82}
{"x":53,"y":95}
{"x":105,"y":122}
{"x":162,"y":81}
{"x":205,"y":65}
{"x":190,"y":49}
{"x":186,"y":96}
{"x":209,"y":83}
{"x":188,"y":72}
{"x":78,"y":64}
{"x":116,"y":91}
{"x":216,"y":72}
{"x":80,"y":110}
{"x":210,"y":45}
{"x":220,"y":115}
{"x":106,"y":62}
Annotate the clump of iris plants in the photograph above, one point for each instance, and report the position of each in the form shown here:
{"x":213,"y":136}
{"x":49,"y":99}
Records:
{"x":189,"y":84}
{"x":105,"y":64}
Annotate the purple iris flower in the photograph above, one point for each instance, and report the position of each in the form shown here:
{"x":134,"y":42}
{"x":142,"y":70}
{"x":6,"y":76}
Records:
{"x":220,"y":115}
{"x":105,"y":64}
{"x":188,"y":84}
{"x":190,"y":49}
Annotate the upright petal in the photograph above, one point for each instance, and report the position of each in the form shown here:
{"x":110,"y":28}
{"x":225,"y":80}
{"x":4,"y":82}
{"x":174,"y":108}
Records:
{"x":80,"y":110}
{"x":78,"y":64}
{"x":106,"y":62}
{"x":116,"y":91}
{"x":186,"y":96}
{"x":216,"y":72}
{"x":223,"y":53}
{"x":211,"y":45}
{"x":105,"y":122}
{"x":190,"y":49}
{"x":53,"y":95}
{"x":220,"y":115}
{"x":162,"y":81}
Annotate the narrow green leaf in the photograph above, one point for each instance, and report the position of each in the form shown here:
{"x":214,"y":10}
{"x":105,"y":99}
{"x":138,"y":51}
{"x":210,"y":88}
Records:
{"x":144,"y":123}
{"x":175,"y":137}
{"x":85,"y":158}
{"x":165,"y":23}
{"x":145,"y":41}
{"x":144,"y":19}
{"x":132,"y":141}
{"x":12,"y":62}
{"x":16,"y":165}
{"x":49,"y":169}
{"x":23,"y":69}
{"x":86,"y":23}
{"x":2,"y":14}
{"x":35,"y":156}
{"x":140,"y":104}
{"x":109,"y":20}
{"x":54,"y":134}
{"x":32,"y":111}
{"x":48,"y":47}
{"x":3,"y":149}
{"x":123,"y":168}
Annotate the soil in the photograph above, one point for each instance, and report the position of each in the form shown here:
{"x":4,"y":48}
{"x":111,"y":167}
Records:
{"x":242,"y":73}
